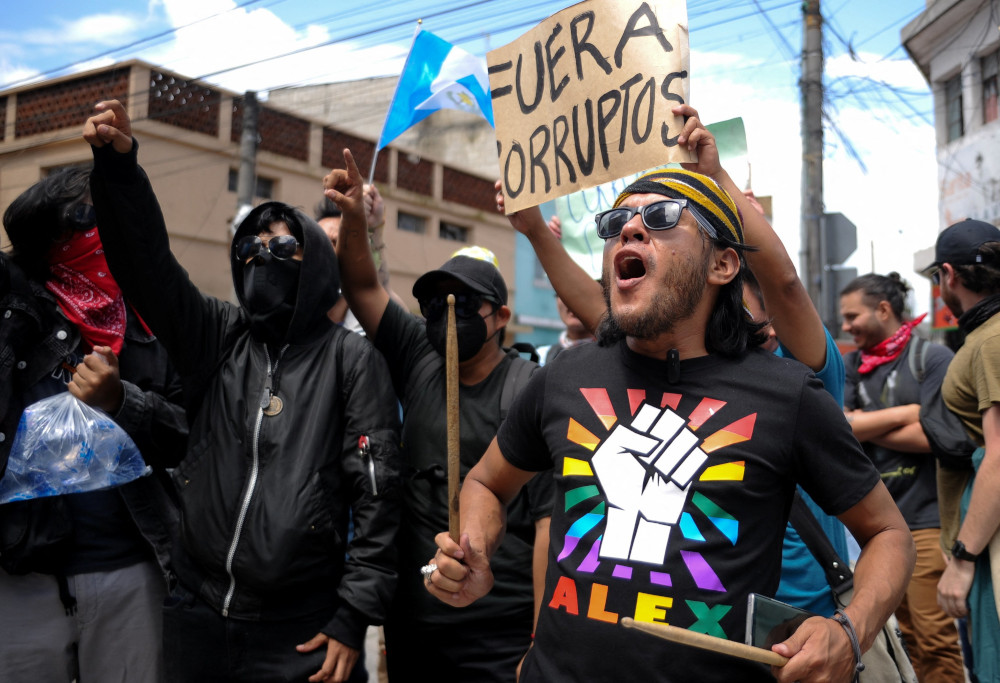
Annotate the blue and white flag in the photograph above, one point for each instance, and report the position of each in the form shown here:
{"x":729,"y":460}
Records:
{"x":437,"y":75}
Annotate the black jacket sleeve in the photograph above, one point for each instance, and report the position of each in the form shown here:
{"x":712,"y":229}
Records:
{"x":371,"y":410}
{"x":152,"y":411}
{"x":193,"y":327}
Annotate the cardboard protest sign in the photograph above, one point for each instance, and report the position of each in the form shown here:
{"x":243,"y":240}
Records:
{"x":576,"y":211}
{"x":585,"y":97}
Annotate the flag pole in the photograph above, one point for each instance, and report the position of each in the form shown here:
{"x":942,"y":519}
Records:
{"x":416,"y":31}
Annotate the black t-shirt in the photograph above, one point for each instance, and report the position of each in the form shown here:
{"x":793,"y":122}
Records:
{"x":671,"y":501}
{"x":418,"y":374}
{"x":910,"y":477}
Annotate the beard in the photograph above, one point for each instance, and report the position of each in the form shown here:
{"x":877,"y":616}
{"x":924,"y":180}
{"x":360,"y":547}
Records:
{"x":952,"y":302}
{"x":677,"y":297}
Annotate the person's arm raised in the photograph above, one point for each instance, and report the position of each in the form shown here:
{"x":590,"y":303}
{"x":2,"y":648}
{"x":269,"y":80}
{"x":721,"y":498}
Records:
{"x":792,"y":313}
{"x":358,"y":275}
{"x":573,"y":284}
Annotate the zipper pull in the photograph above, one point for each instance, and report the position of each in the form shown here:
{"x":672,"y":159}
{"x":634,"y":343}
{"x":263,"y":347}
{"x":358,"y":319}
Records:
{"x":365,"y":451}
{"x":265,"y":398}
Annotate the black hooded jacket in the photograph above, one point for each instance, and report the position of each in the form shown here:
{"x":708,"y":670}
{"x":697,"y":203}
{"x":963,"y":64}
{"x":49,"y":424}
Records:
{"x":265,"y":493}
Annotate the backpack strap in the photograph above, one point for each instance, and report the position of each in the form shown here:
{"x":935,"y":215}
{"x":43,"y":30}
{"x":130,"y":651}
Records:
{"x":426,"y":367}
{"x":525,"y":347}
{"x":517,"y":377}
{"x":918,"y":358}
{"x":838,"y":573}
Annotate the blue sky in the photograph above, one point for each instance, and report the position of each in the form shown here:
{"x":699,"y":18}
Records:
{"x":745,"y":62}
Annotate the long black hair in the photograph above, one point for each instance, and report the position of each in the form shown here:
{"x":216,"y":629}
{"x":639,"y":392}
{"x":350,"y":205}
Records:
{"x":38,"y":217}
{"x":731,"y":331}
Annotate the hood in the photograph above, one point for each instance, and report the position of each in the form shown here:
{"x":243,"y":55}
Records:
{"x":319,"y":280}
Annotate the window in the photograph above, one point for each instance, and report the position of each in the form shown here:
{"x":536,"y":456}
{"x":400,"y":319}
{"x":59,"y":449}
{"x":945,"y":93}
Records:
{"x":990,"y":64}
{"x":953,"y":102}
{"x":410,"y":223}
{"x":264,"y":188}
{"x":455,"y":233}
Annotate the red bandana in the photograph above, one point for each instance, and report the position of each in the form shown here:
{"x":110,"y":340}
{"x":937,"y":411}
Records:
{"x":86,"y":292}
{"x":889,"y":349}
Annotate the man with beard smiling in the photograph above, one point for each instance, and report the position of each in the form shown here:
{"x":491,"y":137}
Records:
{"x":888,"y":378}
{"x":679,"y":444}
{"x":423,"y":637}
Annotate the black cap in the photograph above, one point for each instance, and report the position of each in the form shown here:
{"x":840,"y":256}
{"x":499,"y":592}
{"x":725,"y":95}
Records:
{"x":478,"y":275}
{"x":959,"y":244}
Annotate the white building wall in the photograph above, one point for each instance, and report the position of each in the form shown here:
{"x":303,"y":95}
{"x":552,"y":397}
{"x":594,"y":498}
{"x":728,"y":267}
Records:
{"x":968,"y":167}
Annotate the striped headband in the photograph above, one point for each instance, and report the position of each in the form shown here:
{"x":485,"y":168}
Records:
{"x":713,"y":203}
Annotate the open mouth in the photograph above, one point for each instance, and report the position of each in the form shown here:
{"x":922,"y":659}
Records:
{"x":630,"y":268}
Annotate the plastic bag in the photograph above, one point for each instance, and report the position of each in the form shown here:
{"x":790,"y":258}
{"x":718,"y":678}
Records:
{"x":65,"y":446}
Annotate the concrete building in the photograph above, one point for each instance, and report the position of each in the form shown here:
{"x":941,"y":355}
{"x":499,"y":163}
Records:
{"x":956,"y":45}
{"x":189,"y":134}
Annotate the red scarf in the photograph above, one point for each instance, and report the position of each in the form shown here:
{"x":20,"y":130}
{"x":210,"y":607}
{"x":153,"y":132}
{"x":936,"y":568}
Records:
{"x":86,"y":292}
{"x":889,"y":349}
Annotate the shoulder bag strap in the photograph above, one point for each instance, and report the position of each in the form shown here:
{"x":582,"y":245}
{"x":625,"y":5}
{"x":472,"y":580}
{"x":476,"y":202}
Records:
{"x":838,"y":573}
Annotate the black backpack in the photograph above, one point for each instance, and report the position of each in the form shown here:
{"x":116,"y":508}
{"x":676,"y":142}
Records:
{"x":947,"y":437}
{"x":946,"y":434}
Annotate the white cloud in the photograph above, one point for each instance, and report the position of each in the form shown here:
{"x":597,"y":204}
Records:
{"x":899,"y":73}
{"x":258,"y":37}
{"x":10,"y":71}
{"x":105,"y":29}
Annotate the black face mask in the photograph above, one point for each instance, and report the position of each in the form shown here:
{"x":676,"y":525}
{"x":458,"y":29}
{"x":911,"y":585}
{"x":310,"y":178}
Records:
{"x":270,"y":287}
{"x":471,"y":335}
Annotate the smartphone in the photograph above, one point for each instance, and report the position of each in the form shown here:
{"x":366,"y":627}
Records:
{"x":771,"y":621}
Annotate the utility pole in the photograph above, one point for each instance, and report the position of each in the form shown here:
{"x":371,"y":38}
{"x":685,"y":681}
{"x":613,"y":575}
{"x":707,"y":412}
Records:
{"x":812,"y":153}
{"x":246,"y":179}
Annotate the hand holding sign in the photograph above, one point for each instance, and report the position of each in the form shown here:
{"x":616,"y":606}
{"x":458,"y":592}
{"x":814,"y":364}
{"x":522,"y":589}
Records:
{"x":699,"y":141}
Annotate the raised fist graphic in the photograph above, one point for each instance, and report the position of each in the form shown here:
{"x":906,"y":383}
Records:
{"x":645,"y":469}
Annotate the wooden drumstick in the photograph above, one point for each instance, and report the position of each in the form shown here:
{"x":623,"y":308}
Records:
{"x":451,"y":381}
{"x":707,"y":642}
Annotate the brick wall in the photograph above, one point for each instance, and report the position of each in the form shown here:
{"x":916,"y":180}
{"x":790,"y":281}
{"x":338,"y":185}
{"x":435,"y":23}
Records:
{"x":278,"y":132}
{"x":332,"y":155}
{"x":183,"y":104}
{"x":467,"y":189}
{"x":415,"y":177}
{"x":67,"y":104}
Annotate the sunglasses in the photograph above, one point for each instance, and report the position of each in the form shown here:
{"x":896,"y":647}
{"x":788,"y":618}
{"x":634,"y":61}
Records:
{"x":80,"y":217}
{"x":280,"y":247}
{"x":661,"y":215}
{"x":466,"y":305}
{"x":936,"y":276}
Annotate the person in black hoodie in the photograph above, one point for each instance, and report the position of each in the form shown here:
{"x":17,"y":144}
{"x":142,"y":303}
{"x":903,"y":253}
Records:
{"x":79,"y":570}
{"x":294,"y":425}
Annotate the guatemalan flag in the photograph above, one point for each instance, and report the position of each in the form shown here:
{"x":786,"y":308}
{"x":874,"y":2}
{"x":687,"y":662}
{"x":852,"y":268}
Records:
{"x":437,"y":75}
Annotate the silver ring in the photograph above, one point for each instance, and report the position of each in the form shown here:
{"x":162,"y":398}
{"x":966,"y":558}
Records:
{"x":428,"y":569}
